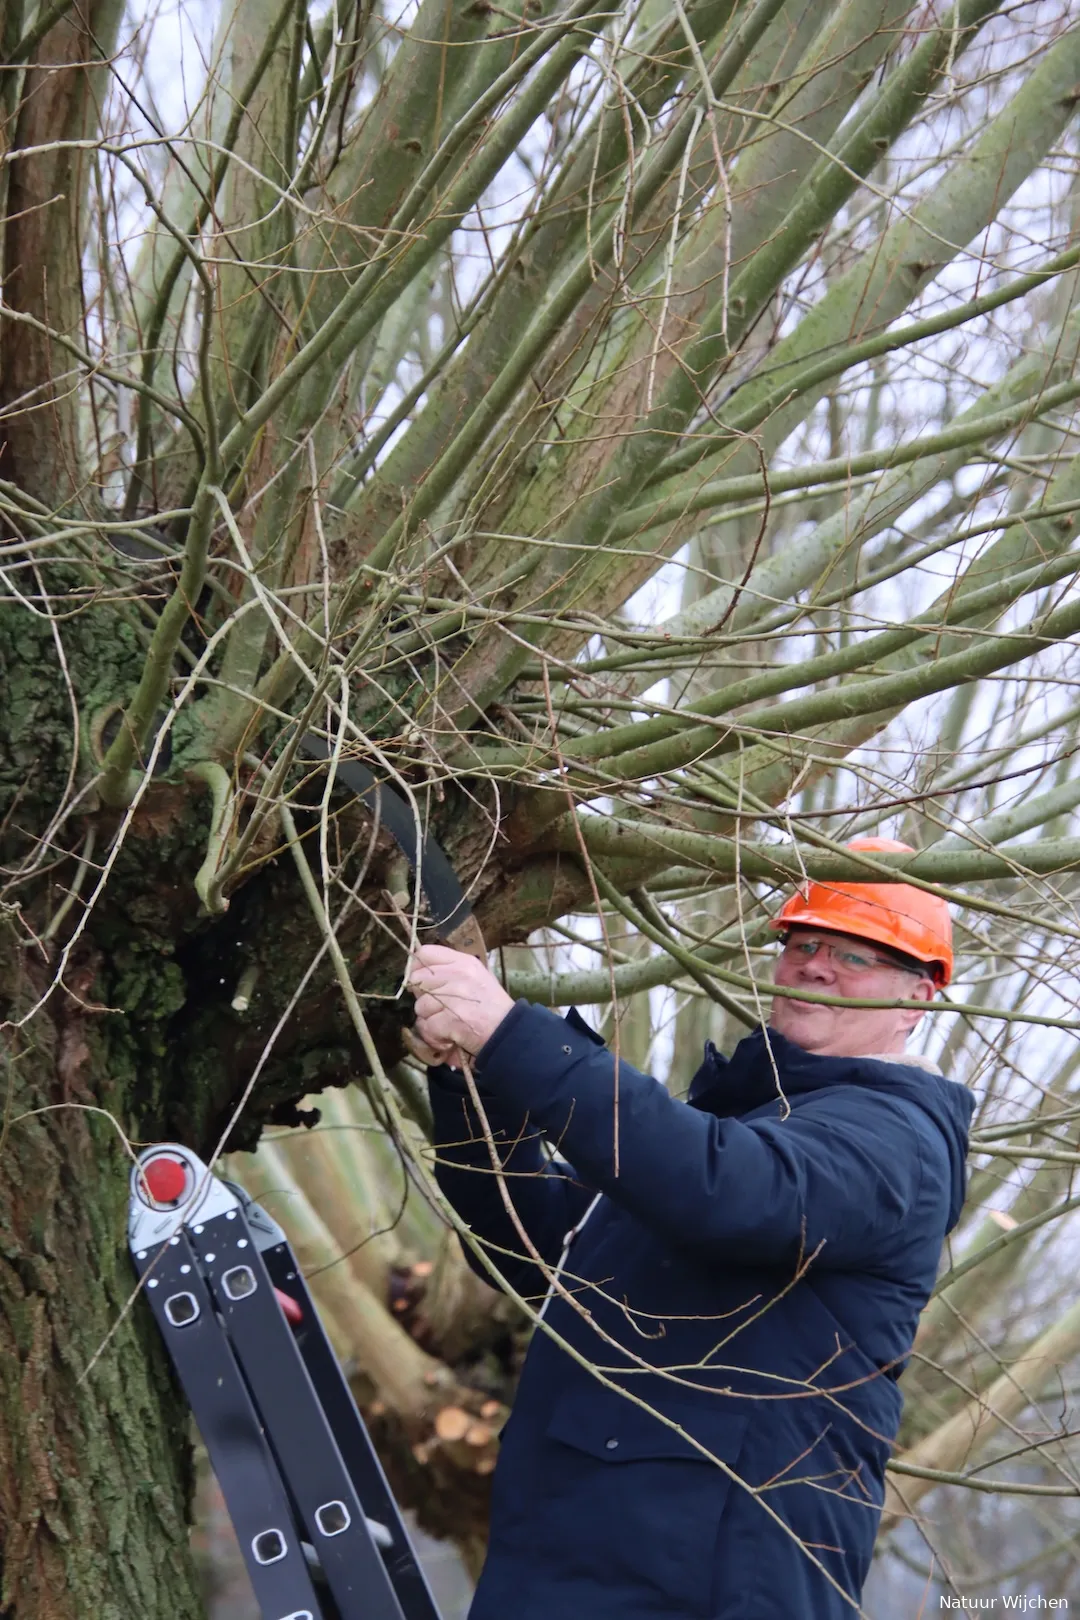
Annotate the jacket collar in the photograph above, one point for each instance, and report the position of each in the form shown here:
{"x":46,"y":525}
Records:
{"x":748,"y":1079}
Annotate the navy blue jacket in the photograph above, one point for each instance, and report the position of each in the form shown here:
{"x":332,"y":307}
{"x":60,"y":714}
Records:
{"x":753,"y":1271}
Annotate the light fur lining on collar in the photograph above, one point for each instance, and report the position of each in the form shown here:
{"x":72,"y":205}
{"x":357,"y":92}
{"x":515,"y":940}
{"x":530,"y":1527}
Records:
{"x":911,"y":1058}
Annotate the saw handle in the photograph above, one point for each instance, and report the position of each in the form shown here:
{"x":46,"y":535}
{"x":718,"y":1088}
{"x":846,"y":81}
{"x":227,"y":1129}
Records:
{"x":468,"y":938}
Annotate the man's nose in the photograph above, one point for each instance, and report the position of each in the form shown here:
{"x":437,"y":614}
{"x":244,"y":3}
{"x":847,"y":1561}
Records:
{"x":819,"y":966}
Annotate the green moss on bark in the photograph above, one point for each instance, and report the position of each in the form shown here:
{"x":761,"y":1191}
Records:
{"x":95,"y":1475}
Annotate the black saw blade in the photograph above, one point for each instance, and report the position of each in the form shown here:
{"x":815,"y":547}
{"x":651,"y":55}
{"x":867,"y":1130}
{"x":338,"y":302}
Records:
{"x":452,"y":916}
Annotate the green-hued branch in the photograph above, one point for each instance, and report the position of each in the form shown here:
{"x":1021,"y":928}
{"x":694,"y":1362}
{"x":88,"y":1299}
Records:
{"x":388,"y":278}
{"x":1037,"y":811}
{"x":848,"y":701}
{"x":47,"y":18}
{"x":151,"y":340}
{"x":796,"y":567}
{"x":675,"y":640}
{"x":523,"y":281}
{"x":649,"y":921}
{"x":989,"y":1265}
{"x":253,"y":245}
{"x":222,"y":817}
{"x":778,"y":863}
{"x":794,"y":383}
{"x":497,"y":399}
{"x":423,"y":92}
{"x":1036,"y":1371}
{"x":595,"y":986}
{"x":911,"y":251}
{"x":975,"y":1482}
{"x":128,"y":745}
{"x":559,"y":307}
{"x":812,"y":66}
{"x":486,"y":674}
{"x":633,"y":744}
{"x":727,"y":491}
{"x":756,"y":420}
{"x":585,"y":987}
{"x":363,"y":306}
{"x":1005,"y":1240}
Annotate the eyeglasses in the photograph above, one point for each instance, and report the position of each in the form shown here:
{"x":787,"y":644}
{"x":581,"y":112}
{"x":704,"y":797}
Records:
{"x":852,"y":961}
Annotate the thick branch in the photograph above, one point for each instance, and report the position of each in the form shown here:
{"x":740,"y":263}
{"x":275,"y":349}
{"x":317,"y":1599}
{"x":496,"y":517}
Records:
{"x":43,"y":242}
{"x":779,"y":863}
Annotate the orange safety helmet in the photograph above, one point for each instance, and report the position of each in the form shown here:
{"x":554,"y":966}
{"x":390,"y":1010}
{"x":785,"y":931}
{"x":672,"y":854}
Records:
{"x":894,"y":914}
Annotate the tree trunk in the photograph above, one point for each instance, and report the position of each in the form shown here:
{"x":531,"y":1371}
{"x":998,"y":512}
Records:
{"x":118,"y":1026}
{"x":95,"y":1469}
{"x":114,"y":1034}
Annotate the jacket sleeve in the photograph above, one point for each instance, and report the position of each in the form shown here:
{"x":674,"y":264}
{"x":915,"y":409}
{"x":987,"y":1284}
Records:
{"x":547,"y":1198}
{"x":839,"y":1179}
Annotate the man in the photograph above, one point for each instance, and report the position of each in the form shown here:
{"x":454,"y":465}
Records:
{"x":751,"y":1270}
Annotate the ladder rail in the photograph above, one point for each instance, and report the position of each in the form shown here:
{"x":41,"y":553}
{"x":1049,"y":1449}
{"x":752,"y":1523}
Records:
{"x":246,"y":1469}
{"x":350,"y":1431}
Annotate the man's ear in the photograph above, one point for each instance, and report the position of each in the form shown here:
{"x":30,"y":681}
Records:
{"x":923,"y":990}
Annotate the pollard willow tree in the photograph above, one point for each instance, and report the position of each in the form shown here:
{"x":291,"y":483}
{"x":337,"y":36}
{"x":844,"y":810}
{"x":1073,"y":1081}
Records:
{"x":359,"y":369}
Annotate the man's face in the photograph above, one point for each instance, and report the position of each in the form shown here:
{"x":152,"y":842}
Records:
{"x":830,"y":964}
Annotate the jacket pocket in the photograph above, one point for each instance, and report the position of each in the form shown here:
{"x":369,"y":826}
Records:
{"x":631,"y":1506}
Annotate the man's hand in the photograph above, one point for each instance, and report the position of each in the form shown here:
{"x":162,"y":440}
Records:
{"x":459,"y":1003}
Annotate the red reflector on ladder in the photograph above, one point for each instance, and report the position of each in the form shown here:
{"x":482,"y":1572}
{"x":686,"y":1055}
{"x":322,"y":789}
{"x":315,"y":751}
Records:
{"x":165,"y":1180}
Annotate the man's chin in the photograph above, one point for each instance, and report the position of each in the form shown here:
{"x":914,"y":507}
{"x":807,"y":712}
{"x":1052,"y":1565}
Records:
{"x":799,"y":1019}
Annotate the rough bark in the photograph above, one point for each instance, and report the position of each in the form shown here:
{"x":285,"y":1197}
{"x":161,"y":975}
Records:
{"x":95,"y":1472}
